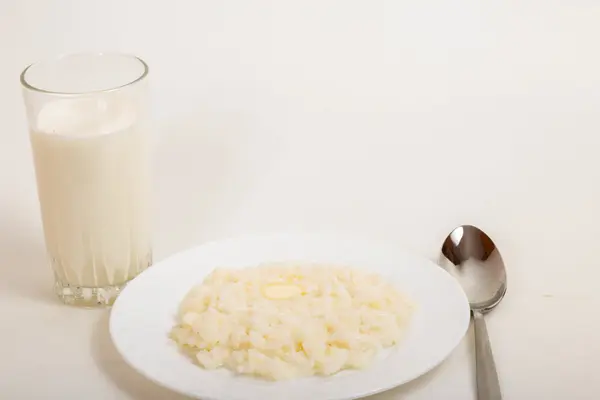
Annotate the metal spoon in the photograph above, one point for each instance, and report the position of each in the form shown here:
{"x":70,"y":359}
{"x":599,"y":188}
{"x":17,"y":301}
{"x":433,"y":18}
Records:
{"x":471,"y":256}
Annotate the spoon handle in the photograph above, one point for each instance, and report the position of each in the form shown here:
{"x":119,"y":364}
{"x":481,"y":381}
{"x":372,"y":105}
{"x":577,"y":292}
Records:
{"x":488,"y":387}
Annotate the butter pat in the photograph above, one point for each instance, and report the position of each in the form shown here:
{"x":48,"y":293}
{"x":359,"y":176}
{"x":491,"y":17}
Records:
{"x":280,"y":291}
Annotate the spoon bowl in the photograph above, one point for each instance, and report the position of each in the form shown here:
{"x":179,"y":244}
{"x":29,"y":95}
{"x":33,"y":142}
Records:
{"x":471,"y":256}
{"x":473,"y":259}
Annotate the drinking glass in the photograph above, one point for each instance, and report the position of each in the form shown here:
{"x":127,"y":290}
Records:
{"x":87,"y":116}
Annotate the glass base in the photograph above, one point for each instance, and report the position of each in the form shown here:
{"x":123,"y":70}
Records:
{"x":87,"y":297}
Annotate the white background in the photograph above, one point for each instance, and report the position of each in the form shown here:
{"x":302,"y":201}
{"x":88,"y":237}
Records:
{"x":395,"y":119}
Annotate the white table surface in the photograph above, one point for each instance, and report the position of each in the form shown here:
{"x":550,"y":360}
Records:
{"x":395,"y":119}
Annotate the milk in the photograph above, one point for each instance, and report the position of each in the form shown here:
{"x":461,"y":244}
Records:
{"x":92,"y":162}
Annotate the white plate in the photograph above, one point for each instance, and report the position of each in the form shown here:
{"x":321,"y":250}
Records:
{"x":144,"y":314}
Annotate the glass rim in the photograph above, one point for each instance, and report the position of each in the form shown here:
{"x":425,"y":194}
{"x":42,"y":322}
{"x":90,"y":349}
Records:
{"x":31,"y":87}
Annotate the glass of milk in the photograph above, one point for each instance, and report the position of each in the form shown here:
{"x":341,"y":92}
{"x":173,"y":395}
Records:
{"x":91,"y":147}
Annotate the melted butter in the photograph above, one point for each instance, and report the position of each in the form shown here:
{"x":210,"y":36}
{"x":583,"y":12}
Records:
{"x":280,"y":291}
